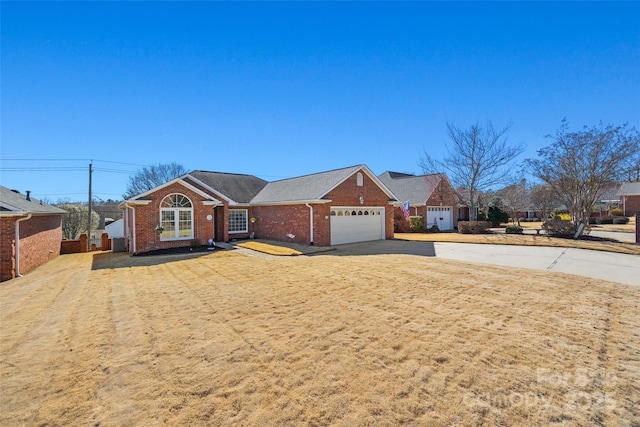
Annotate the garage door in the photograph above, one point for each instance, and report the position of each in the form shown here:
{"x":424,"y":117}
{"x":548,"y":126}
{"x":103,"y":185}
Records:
{"x":441,"y":215}
{"x":356,"y":224}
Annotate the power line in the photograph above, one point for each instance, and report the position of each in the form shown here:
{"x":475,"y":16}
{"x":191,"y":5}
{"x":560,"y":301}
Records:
{"x":74,"y":160}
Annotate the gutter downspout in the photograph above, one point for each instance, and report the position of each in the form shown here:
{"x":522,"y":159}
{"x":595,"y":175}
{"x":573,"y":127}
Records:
{"x":310,"y":222}
{"x":17,"y":256}
{"x":133,"y":227}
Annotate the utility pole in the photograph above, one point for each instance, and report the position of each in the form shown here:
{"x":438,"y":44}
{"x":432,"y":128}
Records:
{"x":90,"y":205}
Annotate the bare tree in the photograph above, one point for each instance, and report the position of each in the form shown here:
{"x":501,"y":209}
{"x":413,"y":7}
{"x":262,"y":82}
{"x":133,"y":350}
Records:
{"x":544,"y":199}
{"x":580,"y":165}
{"x":515,"y":198}
{"x":75,"y":221}
{"x":476,"y":160}
{"x":150,"y":177}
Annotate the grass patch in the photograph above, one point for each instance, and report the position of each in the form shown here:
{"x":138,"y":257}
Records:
{"x":270,"y":248}
{"x":225,"y":339}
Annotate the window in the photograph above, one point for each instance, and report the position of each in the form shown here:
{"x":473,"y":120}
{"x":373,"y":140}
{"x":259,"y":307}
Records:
{"x":359,"y":181}
{"x":238,"y":221}
{"x":176,"y":217}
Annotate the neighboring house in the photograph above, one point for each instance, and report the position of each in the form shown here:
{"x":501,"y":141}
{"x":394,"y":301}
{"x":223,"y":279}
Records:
{"x":430,"y":196}
{"x":608,"y":200}
{"x":30,"y":233}
{"x":629,"y":194}
{"x":463,"y":203}
{"x":115,"y":229}
{"x":327,"y":208}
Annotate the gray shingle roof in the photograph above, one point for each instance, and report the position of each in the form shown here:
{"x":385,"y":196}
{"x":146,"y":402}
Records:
{"x":11,"y":201}
{"x":238,"y":187}
{"x":629,"y":189}
{"x":307,"y":187}
{"x":415,"y":189}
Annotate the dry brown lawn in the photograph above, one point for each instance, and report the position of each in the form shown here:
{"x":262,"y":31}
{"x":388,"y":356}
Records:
{"x":226,"y":339}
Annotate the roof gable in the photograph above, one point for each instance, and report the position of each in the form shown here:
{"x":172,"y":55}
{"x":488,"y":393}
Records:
{"x":14,"y":202}
{"x":180,"y":181}
{"x":235,"y":188}
{"x":629,"y":189}
{"x":413,"y":188}
{"x":312,"y":187}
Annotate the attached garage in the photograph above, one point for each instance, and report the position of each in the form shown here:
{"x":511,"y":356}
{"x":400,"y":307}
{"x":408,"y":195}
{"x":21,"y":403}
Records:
{"x":357,"y":224}
{"x":440,"y":215}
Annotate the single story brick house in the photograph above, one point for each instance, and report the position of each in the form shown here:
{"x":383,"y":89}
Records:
{"x":327,"y":208}
{"x":629,"y":194}
{"x":430,"y":196}
{"x":30,"y":233}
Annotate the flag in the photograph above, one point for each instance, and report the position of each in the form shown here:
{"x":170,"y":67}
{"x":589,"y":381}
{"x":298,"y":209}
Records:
{"x":405,"y":209}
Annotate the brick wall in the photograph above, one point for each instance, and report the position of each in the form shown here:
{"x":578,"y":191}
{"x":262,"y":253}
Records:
{"x":631,"y":205}
{"x":147,"y":218}
{"x":40,"y":239}
{"x":276,"y":222}
{"x":7,"y":249}
{"x":442,"y":195}
{"x":72,"y":247}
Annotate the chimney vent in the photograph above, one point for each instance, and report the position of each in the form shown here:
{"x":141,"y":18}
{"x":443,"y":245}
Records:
{"x":28,"y":195}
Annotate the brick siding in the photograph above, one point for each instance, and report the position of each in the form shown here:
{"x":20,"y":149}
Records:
{"x":272,"y":222}
{"x":631,"y":205}
{"x":442,"y":195}
{"x":40,"y":238}
{"x":147,"y":218}
{"x":276,"y":222}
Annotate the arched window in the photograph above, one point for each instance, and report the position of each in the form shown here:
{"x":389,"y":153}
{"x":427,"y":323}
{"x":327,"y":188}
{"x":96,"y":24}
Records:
{"x":176,"y":217}
{"x":359,"y":180}
{"x":333,"y":213}
{"x":340,"y":213}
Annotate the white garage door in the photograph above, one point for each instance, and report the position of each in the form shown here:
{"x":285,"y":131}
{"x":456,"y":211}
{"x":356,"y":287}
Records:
{"x":356,"y":224}
{"x":441,"y":215}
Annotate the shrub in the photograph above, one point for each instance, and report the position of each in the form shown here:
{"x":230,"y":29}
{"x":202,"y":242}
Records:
{"x":513,"y":229}
{"x":593,"y":220}
{"x":497,"y":216}
{"x":434,"y":229}
{"x":604,"y":220}
{"x":620,"y":220}
{"x":616,"y":212}
{"x":416,"y":224}
{"x":473,"y":227}
{"x":559,"y":227}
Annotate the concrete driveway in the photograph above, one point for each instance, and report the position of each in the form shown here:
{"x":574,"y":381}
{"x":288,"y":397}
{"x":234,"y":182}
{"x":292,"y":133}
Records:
{"x":609,"y":266}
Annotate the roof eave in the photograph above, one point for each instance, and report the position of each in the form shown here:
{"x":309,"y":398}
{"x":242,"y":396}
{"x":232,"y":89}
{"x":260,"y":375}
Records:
{"x":292,"y":202}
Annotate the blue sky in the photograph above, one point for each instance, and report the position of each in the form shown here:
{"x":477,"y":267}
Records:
{"x":285,"y":89}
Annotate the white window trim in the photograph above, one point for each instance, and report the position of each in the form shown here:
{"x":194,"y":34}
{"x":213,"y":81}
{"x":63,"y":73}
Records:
{"x":246,"y":221}
{"x":176,"y":219}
